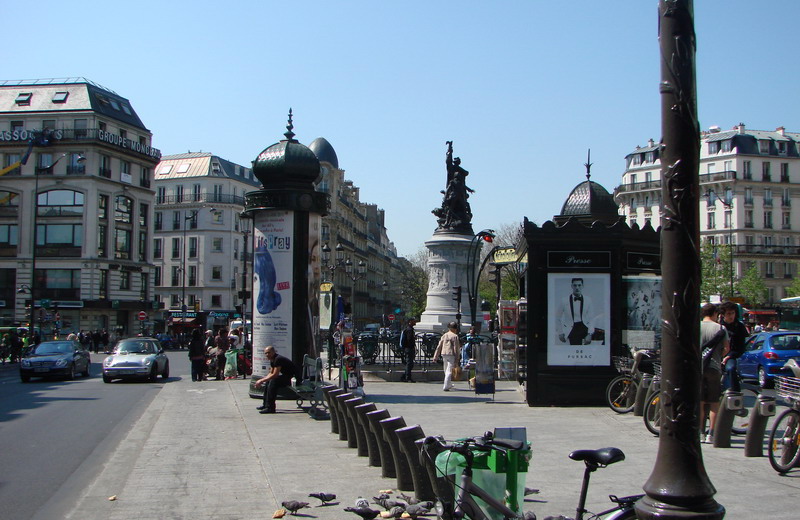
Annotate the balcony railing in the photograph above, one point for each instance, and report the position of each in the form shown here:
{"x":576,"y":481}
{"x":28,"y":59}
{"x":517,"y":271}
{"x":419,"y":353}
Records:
{"x":760,"y":249}
{"x":727,"y":175}
{"x":203,"y":198}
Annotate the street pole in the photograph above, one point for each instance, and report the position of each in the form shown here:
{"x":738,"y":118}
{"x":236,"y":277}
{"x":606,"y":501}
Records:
{"x":679,"y":487}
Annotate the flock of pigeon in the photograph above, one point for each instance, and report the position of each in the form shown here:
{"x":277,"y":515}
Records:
{"x":403,"y":506}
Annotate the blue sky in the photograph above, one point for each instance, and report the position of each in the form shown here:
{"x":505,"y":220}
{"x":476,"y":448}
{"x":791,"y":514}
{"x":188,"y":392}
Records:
{"x":523,"y":88}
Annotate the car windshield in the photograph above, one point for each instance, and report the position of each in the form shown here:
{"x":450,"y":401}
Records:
{"x":786,"y":342}
{"x":54,"y":348}
{"x":136,"y":347}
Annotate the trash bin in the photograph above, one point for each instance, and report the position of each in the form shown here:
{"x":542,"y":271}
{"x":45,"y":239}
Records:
{"x":499,"y":474}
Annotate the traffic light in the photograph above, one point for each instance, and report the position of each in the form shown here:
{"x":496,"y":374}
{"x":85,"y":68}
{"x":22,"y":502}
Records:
{"x":494,"y":274}
{"x":457,"y":293}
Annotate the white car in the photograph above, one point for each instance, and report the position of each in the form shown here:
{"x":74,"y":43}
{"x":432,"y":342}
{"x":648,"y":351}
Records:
{"x":136,"y":358}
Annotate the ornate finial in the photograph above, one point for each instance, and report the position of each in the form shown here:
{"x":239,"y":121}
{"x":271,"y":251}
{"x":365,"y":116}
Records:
{"x":588,"y":165}
{"x":289,"y":134}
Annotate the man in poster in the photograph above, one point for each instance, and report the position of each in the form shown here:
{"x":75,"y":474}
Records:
{"x":575,"y":316}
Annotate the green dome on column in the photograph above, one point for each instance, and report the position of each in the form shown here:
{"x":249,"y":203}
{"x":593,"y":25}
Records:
{"x":287,"y":164}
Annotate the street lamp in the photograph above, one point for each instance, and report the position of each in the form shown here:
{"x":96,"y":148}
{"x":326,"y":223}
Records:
{"x":355,"y":273}
{"x":245,"y":292}
{"x":337,"y":262}
{"x":710,"y":196}
{"x":486,"y":235}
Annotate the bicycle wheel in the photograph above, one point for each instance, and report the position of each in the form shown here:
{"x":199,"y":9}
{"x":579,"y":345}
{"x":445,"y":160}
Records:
{"x":621,"y":394}
{"x":741,"y":418}
{"x":783,"y":441}
{"x":652,"y":414}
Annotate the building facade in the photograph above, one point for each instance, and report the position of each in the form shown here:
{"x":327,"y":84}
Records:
{"x":201,"y":249}
{"x":749,"y":186}
{"x":84,"y":197}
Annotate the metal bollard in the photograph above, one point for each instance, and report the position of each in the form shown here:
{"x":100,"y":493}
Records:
{"x":731,"y":402}
{"x":350,"y":420}
{"x":641,"y":394}
{"x":404,"y":481}
{"x":341,"y":414}
{"x":443,"y":485}
{"x":385,"y":454}
{"x":407,"y":438}
{"x":329,"y":392}
{"x":370,"y":445}
{"x":754,"y":440}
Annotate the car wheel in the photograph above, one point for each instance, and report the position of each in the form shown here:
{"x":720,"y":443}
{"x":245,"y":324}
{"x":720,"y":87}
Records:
{"x":763,"y":382}
{"x":87,"y":373}
{"x":106,"y":379}
{"x":153,"y":373}
{"x":165,"y":374}
{"x":25,"y":378}
{"x":71,"y":372}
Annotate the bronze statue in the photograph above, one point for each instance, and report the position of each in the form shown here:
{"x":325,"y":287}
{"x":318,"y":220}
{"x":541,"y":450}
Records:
{"x":455,"y":213}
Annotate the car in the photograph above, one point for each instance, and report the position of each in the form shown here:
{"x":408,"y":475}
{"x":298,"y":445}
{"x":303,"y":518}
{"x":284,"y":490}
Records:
{"x":63,"y":358}
{"x":136,"y":358}
{"x":166,"y":341}
{"x":765,"y":353}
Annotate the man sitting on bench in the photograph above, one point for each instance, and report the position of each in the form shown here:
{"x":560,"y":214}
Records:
{"x":281,"y":372}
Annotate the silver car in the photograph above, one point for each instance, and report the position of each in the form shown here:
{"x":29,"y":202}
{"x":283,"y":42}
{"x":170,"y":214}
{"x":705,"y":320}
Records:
{"x":136,"y":358}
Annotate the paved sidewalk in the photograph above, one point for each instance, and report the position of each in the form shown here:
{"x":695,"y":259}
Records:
{"x":202,"y":451}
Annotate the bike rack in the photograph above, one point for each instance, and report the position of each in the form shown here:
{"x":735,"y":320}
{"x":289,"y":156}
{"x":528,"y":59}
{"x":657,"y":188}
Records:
{"x":370,"y":445}
{"x":351,"y":420}
{"x":732,"y":401}
{"x":407,"y":438}
{"x":344,"y":429}
{"x":754,"y":439}
{"x":386,"y":461}
{"x":404,"y":481}
{"x":641,"y":394}
{"x":329,"y":392}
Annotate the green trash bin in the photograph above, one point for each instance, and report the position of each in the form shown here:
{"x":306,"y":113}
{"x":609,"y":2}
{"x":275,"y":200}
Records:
{"x":501,"y":475}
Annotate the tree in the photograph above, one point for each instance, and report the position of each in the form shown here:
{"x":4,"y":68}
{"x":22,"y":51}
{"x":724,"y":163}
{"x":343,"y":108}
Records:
{"x":715,"y":265}
{"x":752,"y":287}
{"x":415,"y":283}
{"x":794,"y":289}
{"x":506,"y":235}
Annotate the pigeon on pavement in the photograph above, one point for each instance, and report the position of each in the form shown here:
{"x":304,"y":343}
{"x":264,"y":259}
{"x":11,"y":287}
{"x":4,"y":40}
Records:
{"x":293,"y":505}
{"x":364,"y":512}
{"x":323,"y":497}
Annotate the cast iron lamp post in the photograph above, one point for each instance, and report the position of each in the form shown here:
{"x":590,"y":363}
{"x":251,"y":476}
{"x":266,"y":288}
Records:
{"x":337,"y":262}
{"x":487,"y":235}
{"x":355,"y":273}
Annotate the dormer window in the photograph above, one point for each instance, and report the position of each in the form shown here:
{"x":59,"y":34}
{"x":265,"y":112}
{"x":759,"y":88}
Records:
{"x":713,"y":147}
{"x":60,"y":97}
{"x":24,"y":98}
{"x":636,"y":160}
{"x":763,"y":146}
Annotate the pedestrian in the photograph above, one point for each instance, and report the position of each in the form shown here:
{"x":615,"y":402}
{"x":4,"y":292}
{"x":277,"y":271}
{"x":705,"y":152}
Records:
{"x":466,"y":350}
{"x":448,"y":348}
{"x":714,"y":344}
{"x":197,"y":355}
{"x":408,"y":347}
{"x":737,"y":334}
{"x":281,"y":372}
{"x":221,"y":345}
{"x":96,"y":338}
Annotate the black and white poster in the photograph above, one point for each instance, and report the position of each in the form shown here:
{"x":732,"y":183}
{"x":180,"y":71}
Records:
{"x":642,"y":327}
{"x":578,"y":319}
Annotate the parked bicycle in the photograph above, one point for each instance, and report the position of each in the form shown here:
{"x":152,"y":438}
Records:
{"x":464,"y":503}
{"x":784,"y":439}
{"x":621,"y":391}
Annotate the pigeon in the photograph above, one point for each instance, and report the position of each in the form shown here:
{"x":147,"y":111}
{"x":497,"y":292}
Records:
{"x":293,"y":506}
{"x":362,"y":502}
{"x":408,"y":500}
{"x":414,"y":510}
{"x":394,"y":512}
{"x":364,"y":512}
{"x":388,"y":503}
{"x":531,"y":491}
{"x":323,"y":497}
{"x":382,"y":496}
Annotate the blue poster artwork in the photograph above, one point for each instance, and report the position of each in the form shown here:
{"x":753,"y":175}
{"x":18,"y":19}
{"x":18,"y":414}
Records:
{"x":268,"y":298}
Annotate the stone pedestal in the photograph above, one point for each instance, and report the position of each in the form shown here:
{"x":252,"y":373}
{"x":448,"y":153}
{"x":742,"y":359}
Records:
{"x":448,"y":264}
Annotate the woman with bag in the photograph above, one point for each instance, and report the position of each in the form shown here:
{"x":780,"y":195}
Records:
{"x":449,"y":347}
{"x":714,"y":344}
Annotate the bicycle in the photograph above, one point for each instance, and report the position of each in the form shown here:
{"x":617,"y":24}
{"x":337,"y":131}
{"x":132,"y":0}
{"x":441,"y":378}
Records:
{"x":621,"y":391}
{"x":784,"y":439}
{"x":464,"y":503}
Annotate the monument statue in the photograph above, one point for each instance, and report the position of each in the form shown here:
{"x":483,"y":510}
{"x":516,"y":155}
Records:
{"x":455,"y":214}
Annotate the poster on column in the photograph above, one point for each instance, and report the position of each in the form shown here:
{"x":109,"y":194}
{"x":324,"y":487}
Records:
{"x":314,"y":280}
{"x":273,"y":272}
{"x":643,"y":311}
{"x":578,"y":319}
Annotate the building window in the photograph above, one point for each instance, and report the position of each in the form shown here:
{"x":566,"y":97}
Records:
{"x":144,"y":177}
{"x":216,"y":272}
{"x":713,"y":147}
{"x":143,"y":246}
{"x":105,"y":166}
{"x":161,"y":195}
{"x":176,"y":220}
{"x":787,"y":269}
{"x":765,"y":172}
{"x":125,"y":171}
{"x":636,"y":160}
{"x":193,"y":220}
{"x":196,"y":196}
{"x":786,"y":222}
{"x":81,"y":128}
{"x":124,"y":280}
{"x":650,"y":157}
{"x":60,"y":203}
{"x":24,"y":99}
{"x":179,"y":193}
{"x":175,"y":276}
{"x":183,"y":168}
{"x":102,"y":241}
{"x":176,"y":248}
{"x":216,"y":300}
{"x":781,"y":147}
{"x":769,"y":269}
{"x":192,"y":247}
{"x":75,"y":166}
{"x":159,"y":221}
{"x":13,"y":158}
{"x":157,"y":276}
{"x":767,"y":220}
{"x":768,"y":197}
{"x":165,"y":169}
{"x":748,"y":218}
{"x":748,"y":195}
{"x":216,"y":245}
{"x":712,"y":220}
{"x":9,"y":236}
{"x":173,"y":301}
{"x":747,"y":172}
{"x":43,"y":163}
{"x":216,"y":217}
{"x":60,"y":284}
{"x":763,"y":146}
{"x":728,"y":219}
{"x":123,"y":209}
{"x":157,"y":244}
{"x":60,"y":97}
{"x":727,"y":145}
{"x":192,"y":272}
{"x":786,"y":198}
{"x":784,"y":172}
{"x":122,"y":244}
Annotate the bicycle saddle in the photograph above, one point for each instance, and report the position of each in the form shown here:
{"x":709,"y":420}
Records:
{"x":602,"y":457}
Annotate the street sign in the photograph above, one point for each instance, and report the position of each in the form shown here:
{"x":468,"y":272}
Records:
{"x":391,"y":317}
{"x":142,"y":315}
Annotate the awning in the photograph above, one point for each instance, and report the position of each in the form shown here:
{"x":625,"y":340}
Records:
{"x":763,"y":313}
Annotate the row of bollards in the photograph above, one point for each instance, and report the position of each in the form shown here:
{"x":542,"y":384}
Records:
{"x":387,"y":442}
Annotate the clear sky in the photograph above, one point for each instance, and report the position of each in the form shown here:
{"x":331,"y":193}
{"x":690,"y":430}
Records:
{"x":523,"y":88}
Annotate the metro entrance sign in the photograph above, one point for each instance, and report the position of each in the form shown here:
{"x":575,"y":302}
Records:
{"x":142,"y":315}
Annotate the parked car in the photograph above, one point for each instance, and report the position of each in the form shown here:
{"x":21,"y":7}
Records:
{"x":765,"y":354}
{"x":55,"y":358}
{"x":166,"y":341}
{"x":136,"y":358}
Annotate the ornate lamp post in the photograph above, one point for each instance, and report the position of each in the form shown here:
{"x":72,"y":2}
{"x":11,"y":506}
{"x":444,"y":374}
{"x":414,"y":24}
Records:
{"x":355,"y":272}
{"x":326,"y":258}
{"x":487,"y":235}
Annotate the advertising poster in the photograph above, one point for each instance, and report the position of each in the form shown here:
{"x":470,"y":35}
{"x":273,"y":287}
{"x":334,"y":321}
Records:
{"x":642,"y":327}
{"x":314,"y":280}
{"x":273,"y":271}
{"x":578,"y":319}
